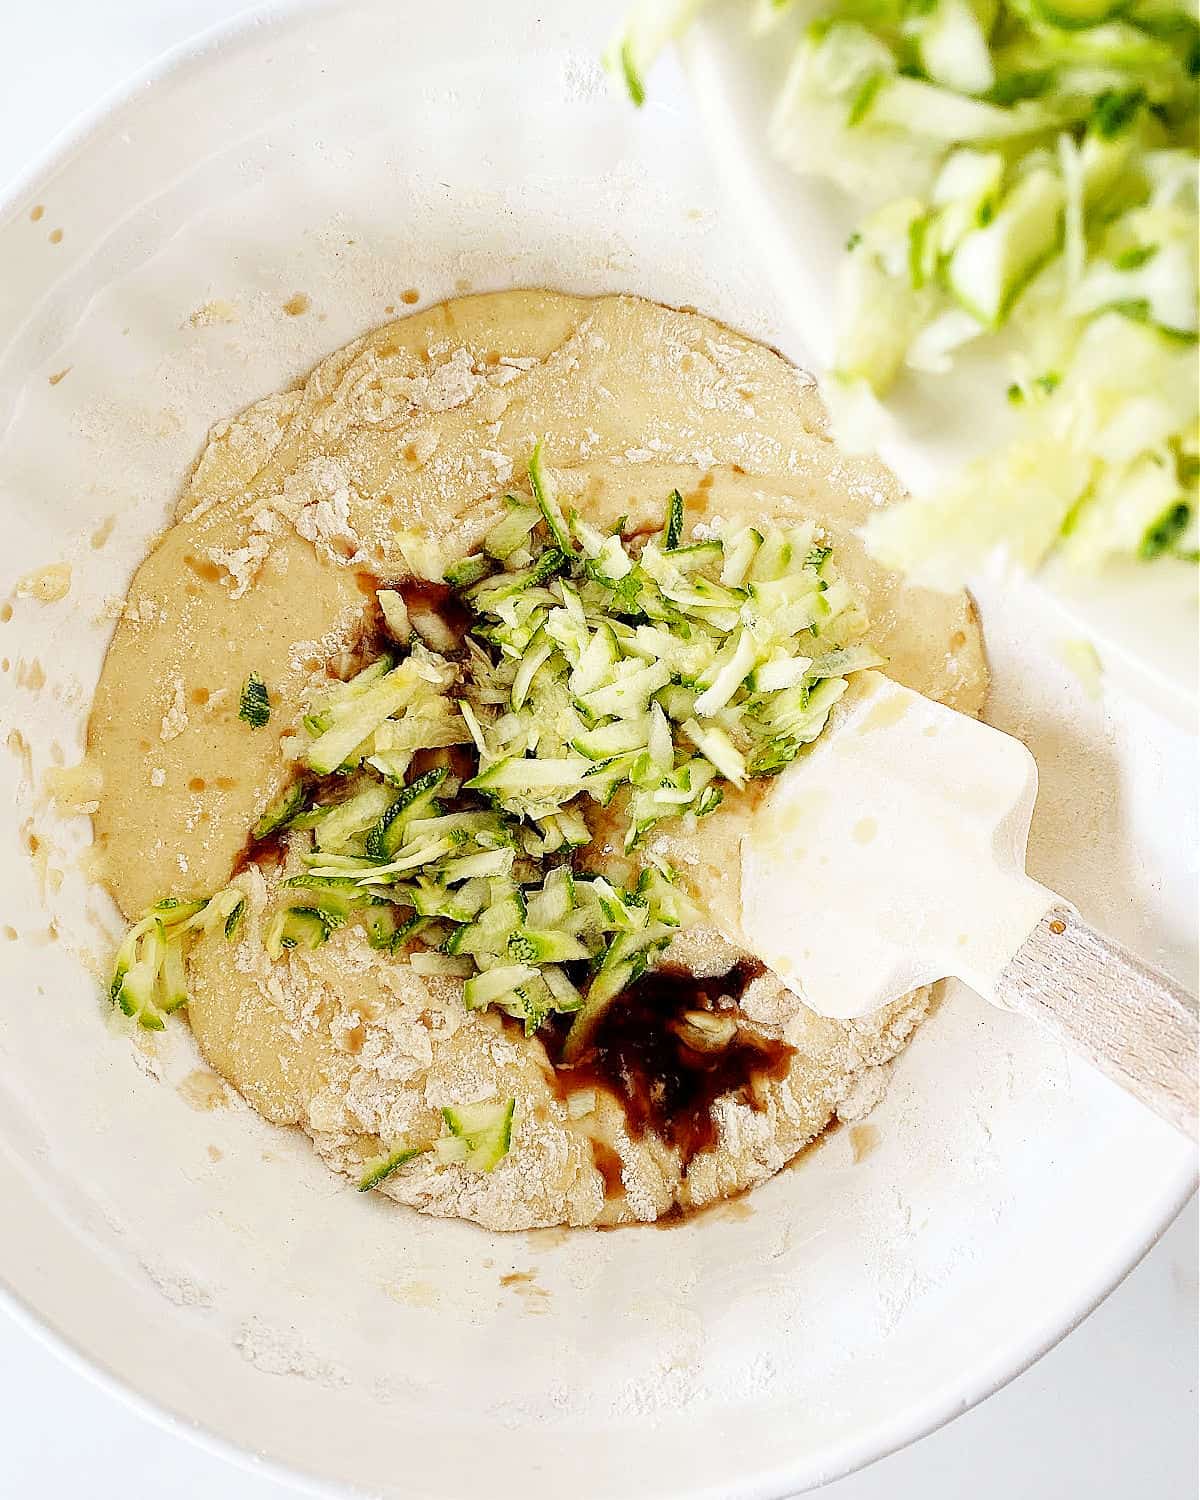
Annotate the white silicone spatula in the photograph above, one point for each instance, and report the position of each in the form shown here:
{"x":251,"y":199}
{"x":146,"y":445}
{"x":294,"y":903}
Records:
{"x":893,"y":853}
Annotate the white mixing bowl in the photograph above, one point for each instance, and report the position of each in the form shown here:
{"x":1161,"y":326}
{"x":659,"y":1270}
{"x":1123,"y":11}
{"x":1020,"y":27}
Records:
{"x":204,"y":1260}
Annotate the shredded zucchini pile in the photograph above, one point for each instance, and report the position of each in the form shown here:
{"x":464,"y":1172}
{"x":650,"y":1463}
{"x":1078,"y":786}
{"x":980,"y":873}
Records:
{"x":1027,"y":165}
{"x":477,"y":1137}
{"x":643,"y":675}
{"x":149,"y":979}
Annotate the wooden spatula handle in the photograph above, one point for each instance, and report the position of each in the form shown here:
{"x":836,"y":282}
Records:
{"x":1132,"y":1022}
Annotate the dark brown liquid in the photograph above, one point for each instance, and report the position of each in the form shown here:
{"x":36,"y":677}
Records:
{"x":268,"y":853}
{"x":608,"y":1164}
{"x":420,"y":594}
{"x":372,"y":639}
{"x":663,"y":1084}
{"x":736,"y":1209}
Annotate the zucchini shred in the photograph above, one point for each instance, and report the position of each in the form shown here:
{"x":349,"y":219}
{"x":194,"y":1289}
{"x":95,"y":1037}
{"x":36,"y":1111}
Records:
{"x":1025,"y":179}
{"x":448,"y":802}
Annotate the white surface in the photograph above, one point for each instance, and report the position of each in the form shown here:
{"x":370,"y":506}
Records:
{"x":27,"y":102}
{"x":1143,"y":624}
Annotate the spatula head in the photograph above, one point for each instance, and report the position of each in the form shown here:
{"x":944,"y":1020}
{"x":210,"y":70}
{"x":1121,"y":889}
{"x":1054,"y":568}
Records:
{"x":892,"y":853}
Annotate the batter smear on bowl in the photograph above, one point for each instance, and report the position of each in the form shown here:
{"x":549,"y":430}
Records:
{"x":429,"y":731}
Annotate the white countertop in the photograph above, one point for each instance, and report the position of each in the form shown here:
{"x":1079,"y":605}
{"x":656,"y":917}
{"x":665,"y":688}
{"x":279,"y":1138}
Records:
{"x":1109,"y":1414}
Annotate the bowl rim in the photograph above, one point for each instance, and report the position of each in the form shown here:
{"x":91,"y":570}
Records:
{"x":784,"y":1480}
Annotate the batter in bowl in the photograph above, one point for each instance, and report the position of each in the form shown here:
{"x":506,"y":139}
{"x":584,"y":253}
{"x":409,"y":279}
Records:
{"x":304,"y":566}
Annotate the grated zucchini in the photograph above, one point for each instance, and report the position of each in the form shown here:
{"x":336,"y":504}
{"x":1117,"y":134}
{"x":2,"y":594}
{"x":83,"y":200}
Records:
{"x":149,"y":979}
{"x":379,"y":1168}
{"x":479,"y":1135}
{"x":254,"y":703}
{"x":1025,"y":169}
{"x":593,"y":669}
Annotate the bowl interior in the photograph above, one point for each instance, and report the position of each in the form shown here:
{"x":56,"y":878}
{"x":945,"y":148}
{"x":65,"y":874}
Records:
{"x":207,"y":1261}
